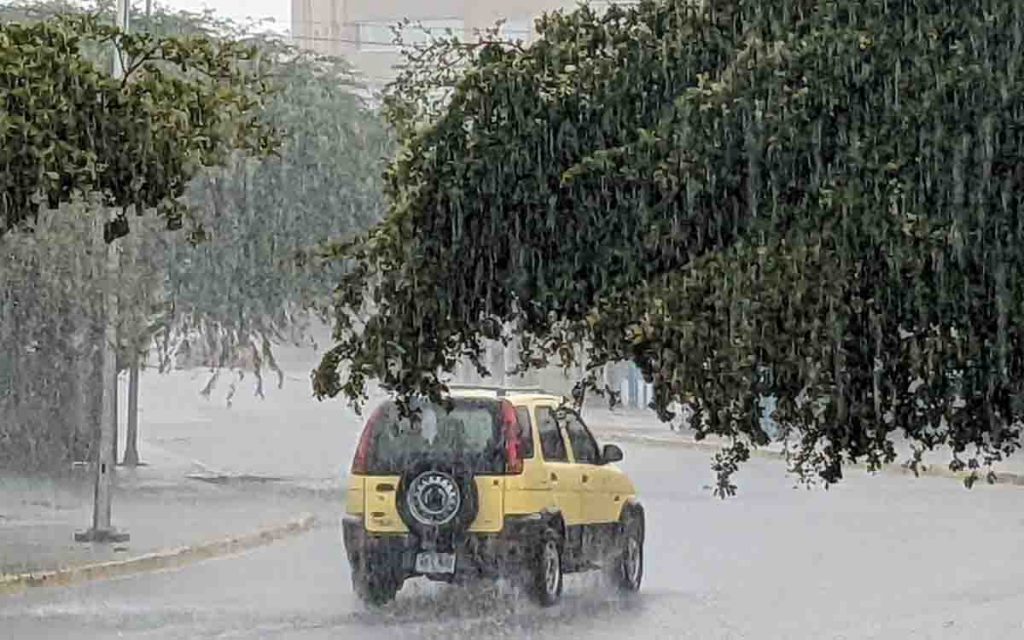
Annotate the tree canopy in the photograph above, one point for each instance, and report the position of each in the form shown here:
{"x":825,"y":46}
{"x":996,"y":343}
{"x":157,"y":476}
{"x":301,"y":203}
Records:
{"x":68,"y":128}
{"x":813,"y":200}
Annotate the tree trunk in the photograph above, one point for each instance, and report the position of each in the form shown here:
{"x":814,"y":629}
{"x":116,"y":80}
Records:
{"x":498,"y":366}
{"x":509,"y":361}
{"x":131,"y":445}
{"x":8,"y":365}
{"x":80,"y":413}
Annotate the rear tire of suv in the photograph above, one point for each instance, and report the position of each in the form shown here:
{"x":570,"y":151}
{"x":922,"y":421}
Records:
{"x":374,"y":589}
{"x":545,"y":570}
{"x":627,"y":570}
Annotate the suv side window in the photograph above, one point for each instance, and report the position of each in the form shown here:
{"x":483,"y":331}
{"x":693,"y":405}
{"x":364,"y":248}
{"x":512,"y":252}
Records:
{"x":525,"y":430}
{"x":584,"y":447}
{"x":551,"y":442}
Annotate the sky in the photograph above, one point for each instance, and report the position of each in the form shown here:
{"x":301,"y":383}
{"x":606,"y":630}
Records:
{"x":240,"y":10}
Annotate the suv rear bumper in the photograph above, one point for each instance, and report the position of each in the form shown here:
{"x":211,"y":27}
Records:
{"x":478,"y":555}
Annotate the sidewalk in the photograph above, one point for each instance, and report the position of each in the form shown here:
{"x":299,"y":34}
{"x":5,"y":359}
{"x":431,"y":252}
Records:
{"x":639,"y":425}
{"x":161,"y":506}
{"x":38,"y":518}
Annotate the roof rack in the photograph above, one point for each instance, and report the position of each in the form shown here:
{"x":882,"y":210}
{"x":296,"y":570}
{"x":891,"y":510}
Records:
{"x":500,"y":391}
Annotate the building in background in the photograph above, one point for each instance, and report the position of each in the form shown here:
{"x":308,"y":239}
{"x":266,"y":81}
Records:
{"x":361,"y":30}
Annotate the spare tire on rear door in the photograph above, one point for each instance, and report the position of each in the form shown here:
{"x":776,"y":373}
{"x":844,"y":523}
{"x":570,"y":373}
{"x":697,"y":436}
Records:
{"x":437,"y":500}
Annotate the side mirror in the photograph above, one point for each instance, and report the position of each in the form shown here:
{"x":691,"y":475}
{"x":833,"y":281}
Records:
{"x":611,"y":453}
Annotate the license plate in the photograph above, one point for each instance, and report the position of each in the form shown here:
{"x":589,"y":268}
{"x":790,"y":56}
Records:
{"x":430,"y":562}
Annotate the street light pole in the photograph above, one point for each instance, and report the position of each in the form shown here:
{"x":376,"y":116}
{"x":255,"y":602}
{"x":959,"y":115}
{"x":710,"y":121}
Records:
{"x":106,"y":459}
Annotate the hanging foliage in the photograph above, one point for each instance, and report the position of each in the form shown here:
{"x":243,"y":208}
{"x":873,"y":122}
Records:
{"x":813,"y":200}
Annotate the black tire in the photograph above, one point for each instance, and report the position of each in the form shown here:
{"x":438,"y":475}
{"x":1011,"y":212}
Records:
{"x":469,"y":501}
{"x":374,"y":589}
{"x":544,"y":577}
{"x":627,"y":567}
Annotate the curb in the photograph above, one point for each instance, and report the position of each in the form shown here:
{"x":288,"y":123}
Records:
{"x":935,"y":471}
{"x":157,"y":561}
{"x":279,"y":485}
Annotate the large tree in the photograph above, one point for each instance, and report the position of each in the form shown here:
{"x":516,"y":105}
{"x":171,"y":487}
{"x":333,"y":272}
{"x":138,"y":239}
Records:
{"x":815,"y":200}
{"x":236,"y":279}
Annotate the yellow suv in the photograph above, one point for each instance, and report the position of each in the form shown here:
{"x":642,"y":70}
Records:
{"x":495,"y":483}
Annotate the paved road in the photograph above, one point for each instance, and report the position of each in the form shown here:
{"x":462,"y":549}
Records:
{"x":884,"y":557}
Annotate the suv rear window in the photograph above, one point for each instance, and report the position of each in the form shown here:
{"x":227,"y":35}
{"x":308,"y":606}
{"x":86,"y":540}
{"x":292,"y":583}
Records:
{"x":470,"y":434}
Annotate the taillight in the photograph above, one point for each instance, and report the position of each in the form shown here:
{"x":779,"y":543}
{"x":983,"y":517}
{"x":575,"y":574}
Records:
{"x":361,"y":461}
{"x":513,"y":438}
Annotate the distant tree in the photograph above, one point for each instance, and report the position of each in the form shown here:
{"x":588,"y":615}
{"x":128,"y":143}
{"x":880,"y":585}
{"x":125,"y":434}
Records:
{"x":254,"y":279}
{"x":816,"y":201}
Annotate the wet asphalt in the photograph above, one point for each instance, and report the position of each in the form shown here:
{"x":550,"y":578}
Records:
{"x":875,"y":557}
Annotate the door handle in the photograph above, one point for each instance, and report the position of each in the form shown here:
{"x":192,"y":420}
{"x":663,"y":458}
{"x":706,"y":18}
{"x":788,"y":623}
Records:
{"x":554,"y":477}
{"x":585,"y":477}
